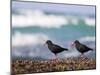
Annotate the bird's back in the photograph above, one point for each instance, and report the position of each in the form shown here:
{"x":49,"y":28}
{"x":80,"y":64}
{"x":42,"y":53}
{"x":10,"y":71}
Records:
{"x":82,"y":48}
{"x":55,"y":48}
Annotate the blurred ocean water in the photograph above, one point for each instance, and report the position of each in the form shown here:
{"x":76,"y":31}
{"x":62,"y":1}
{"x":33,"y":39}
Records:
{"x":32,"y":26}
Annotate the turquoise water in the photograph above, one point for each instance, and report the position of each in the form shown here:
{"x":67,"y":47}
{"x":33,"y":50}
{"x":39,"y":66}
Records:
{"x":67,"y":32}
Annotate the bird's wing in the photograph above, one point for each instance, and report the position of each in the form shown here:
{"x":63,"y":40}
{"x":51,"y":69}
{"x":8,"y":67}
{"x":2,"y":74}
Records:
{"x":84,"y":46}
{"x":56,"y":46}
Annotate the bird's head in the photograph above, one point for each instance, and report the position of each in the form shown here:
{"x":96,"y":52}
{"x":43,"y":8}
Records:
{"x":75,"y":42}
{"x":48,"y":42}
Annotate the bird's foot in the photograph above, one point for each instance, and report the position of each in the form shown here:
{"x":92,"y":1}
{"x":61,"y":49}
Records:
{"x":81,"y":56}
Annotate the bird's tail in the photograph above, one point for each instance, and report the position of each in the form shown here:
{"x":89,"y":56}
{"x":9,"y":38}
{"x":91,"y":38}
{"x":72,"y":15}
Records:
{"x":65,"y":49}
{"x":91,"y":49}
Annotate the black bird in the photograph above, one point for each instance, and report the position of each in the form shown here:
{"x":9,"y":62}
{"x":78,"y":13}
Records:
{"x":54,"y":48}
{"x":81,"y":47}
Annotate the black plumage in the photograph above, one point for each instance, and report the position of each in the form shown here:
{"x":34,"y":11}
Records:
{"x":81,"y":47}
{"x":54,"y":48}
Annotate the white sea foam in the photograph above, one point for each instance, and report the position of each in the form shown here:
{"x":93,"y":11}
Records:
{"x":39,"y":18}
{"x":87,"y":38}
{"x":73,"y":53}
{"x":75,"y":21}
{"x":90,"y":21}
{"x":21,"y":39}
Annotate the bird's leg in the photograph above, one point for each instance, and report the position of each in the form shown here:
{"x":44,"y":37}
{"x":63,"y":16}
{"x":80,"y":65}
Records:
{"x":56,"y":56}
{"x":81,"y":55}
